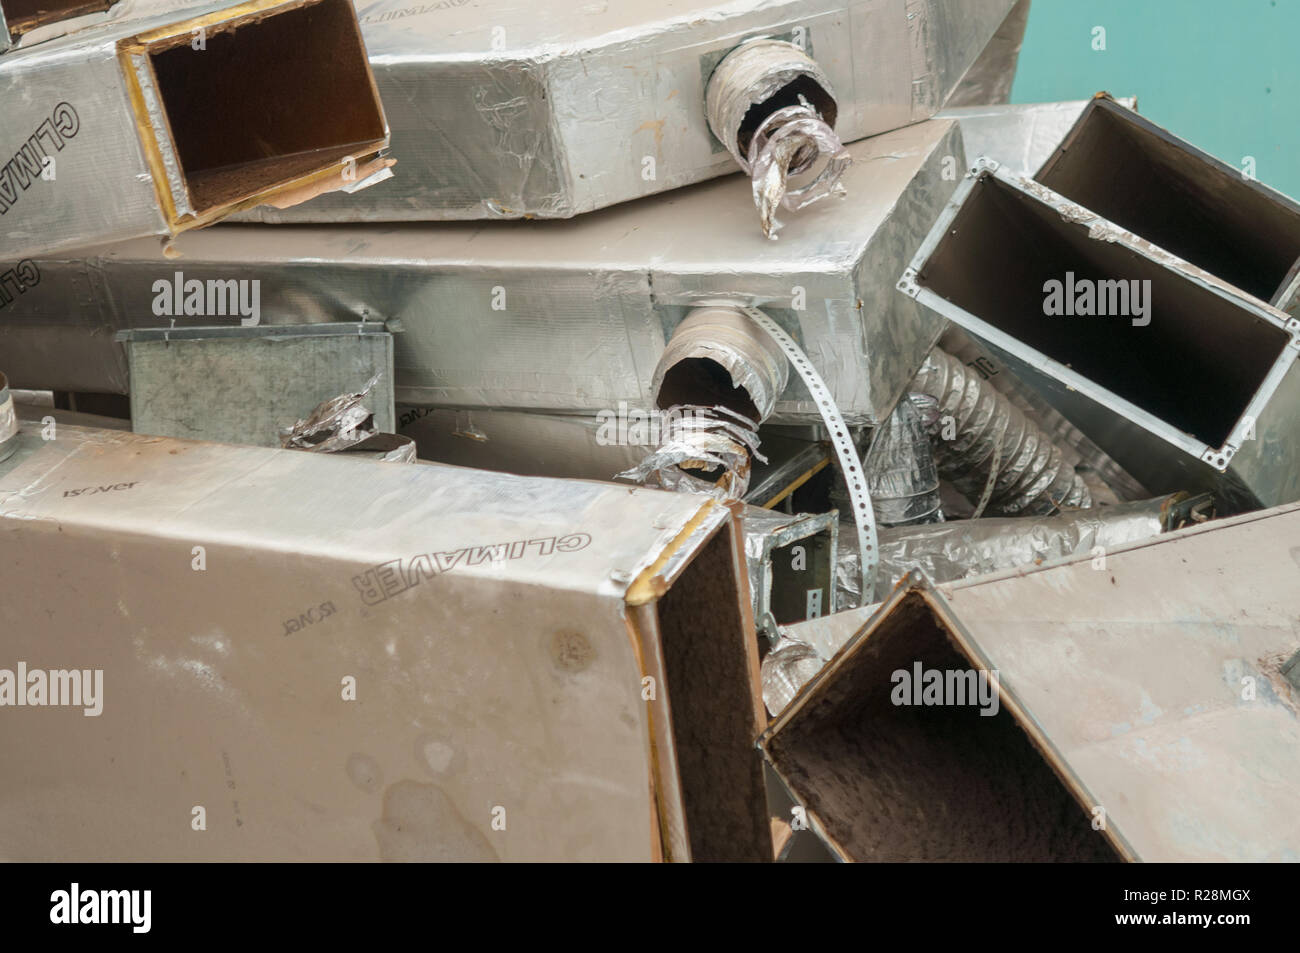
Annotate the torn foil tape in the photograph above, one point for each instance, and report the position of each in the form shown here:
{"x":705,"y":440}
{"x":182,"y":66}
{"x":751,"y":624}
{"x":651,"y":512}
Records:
{"x":773,"y":108}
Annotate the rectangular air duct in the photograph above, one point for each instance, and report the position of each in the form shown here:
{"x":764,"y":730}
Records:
{"x":1143,"y":709}
{"x":552,"y":110}
{"x":156,"y":126}
{"x":1185,"y":381}
{"x":246,"y":384}
{"x":565,"y":316}
{"x":1211,"y":214}
{"x":345,"y":660}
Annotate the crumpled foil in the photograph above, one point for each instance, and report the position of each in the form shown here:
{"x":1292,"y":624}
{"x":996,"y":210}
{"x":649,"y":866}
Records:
{"x":339,"y":423}
{"x":385,"y":448}
{"x":8,"y":420}
{"x":701,"y":438}
{"x":789,"y":142}
{"x":900,"y":471}
{"x":786,"y":669}
{"x":946,"y":552}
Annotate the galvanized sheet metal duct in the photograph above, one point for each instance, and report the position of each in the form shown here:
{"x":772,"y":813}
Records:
{"x":1021,"y":136}
{"x":989,"y":79}
{"x":248,"y":384}
{"x":1187,"y":202}
{"x":791,"y":561}
{"x":553,"y":110}
{"x":1151,"y":389}
{"x":574,"y":446}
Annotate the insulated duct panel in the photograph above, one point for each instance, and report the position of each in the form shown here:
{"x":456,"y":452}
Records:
{"x":159,"y":125}
{"x":1146,"y":370}
{"x":1151,"y":688}
{"x":345,"y":660}
{"x":558,"y":316}
{"x":553,"y":109}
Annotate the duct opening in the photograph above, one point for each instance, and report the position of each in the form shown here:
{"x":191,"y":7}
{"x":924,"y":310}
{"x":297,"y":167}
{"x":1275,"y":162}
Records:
{"x":1153,"y":184}
{"x":794,"y":93}
{"x":702,"y":382}
{"x":709,"y":666}
{"x":803,"y":578}
{"x":917,"y":782}
{"x":1195,"y":363}
{"x":268,"y":99}
{"x":23,"y":16}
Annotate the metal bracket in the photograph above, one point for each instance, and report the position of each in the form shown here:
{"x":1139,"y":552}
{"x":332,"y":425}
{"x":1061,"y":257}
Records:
{"x":864,"y":516}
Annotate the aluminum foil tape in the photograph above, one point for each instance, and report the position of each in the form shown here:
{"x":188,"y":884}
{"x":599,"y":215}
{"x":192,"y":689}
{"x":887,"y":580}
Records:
{"x":108,"y":132}
{"x":382,"y":659}
{"x":1120,"y":690}
{"x":551,"y":110}
{"x":558,"y":316}
{"x":773,"y":108}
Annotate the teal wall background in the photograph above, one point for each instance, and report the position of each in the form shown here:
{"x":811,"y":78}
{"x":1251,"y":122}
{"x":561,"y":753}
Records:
{"x":1222,"y":74}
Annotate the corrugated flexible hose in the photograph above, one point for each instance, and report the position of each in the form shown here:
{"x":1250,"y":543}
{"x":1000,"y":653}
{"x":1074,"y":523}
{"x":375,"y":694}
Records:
{"x":979,"y":434}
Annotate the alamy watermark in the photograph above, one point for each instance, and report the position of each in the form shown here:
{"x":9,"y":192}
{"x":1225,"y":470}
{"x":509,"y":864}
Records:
{"x":633,"y":427}
{"x":58,"y":687}
{"x":1086,"y":297}
{"x":946,"y":687}
{"x":74,"y":906}
{"x":181,"y":297}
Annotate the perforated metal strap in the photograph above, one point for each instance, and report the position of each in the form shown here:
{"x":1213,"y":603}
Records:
{"x":864,"y":516}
